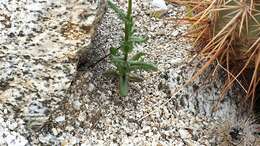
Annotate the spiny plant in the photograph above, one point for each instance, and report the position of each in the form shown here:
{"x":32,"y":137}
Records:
{"x":125,"y":62}
{"x":243,"y":131}
{"x":227,"y":32}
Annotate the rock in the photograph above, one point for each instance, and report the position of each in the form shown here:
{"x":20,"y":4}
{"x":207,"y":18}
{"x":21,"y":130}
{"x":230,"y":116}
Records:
{"x":54,"y":131}
{"x":41,"y":43}
{"x":40,"y":64}
{"x":160,"y":4}
{"x":82,"y":116}
{"x":11,"y":138}
{"x":91,"y":87}
{"x":184,"y":134}
{"x":69,"y":128}
{"x":35,"y":121}
{"x":60,"y":119}
{"x":77,"y":104}
{"x":12,"y":126}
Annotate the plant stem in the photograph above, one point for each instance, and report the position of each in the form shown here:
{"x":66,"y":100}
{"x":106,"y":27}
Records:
{"x":129,"y":10}
{"x":128,"y":28}
{"x":128,"y":44}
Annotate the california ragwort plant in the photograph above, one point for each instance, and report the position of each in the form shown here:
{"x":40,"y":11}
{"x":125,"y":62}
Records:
{"x":120,"y":57}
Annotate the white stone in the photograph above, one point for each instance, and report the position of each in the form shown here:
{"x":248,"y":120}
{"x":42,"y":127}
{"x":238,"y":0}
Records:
{"x":69,"y":128}
{"x":159,"y":4}
{"x":82,"y":116}
{"x":12,"y":126}
{"x":175,"y":33}
{"x":60,"y":119}
{"x":91,"y":87}
{"x":54,"y":131}
{"x":184,"y":134}
{"x":77,"y":104}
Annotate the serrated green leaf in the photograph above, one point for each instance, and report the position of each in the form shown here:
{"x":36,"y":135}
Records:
{"x":114,"y":51}
{"x":137,"y":56}
{"x":121,"y":14}
{"x":129,"y":26}
{"x":138,"y":40}
{"x":117,"y":59}
{"x":123,"y":85}
{"x":135,"y":65}
{"x":127,"y":47}
{"x":119,"y":63}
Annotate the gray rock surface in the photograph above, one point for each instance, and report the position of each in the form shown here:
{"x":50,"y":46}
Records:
{"x":39,"y":45}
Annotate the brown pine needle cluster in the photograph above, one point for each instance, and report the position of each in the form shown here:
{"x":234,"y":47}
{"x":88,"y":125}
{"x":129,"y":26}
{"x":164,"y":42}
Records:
{"x":227,"y":33}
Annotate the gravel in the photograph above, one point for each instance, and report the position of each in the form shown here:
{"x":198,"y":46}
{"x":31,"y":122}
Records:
{"x":100,"y":117}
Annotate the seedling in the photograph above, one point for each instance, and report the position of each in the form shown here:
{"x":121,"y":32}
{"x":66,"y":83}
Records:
{"x":125,"y":65}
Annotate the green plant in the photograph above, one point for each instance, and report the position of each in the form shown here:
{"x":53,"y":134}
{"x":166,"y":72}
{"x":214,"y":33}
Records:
{"x":227,"y":32}
{"x":120,"y":57}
